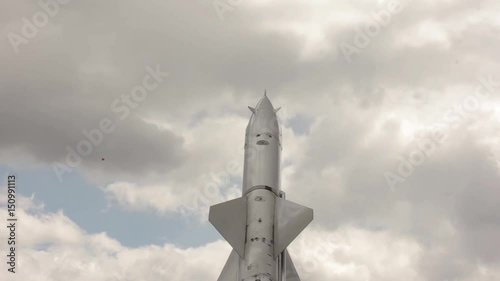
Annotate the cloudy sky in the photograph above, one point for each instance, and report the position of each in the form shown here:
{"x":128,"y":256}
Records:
{"x":123,"y":121}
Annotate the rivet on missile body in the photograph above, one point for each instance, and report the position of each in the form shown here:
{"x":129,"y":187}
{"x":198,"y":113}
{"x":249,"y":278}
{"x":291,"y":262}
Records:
{"x":260,"y":220}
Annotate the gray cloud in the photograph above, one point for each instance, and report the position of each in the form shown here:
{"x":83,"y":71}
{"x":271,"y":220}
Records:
{"x":350,"y":121}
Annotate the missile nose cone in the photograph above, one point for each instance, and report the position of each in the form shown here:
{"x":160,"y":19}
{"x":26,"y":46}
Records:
{"x":264,"y":103}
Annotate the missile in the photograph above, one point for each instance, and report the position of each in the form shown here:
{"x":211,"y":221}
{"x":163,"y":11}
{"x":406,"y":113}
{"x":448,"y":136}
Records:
{"x":261,"y":223}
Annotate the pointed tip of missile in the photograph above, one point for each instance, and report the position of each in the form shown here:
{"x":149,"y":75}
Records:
{"x":264,"y":103}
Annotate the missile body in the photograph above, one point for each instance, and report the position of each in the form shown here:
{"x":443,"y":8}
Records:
{"x":260,"y":224}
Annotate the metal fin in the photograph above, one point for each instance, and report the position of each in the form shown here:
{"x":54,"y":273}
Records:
{"x":251,"y":109}
{"x":231,"y":269}
{"x":230,"y":219}
{"x":291,"y":272}
{"x":289,"y":221}
{"x":277,"y":109}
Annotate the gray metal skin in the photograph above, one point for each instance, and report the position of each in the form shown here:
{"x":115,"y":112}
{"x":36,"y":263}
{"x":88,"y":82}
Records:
{"x":262,"y":149}
{"x":261,"y":184}
{"x":261,"y":223}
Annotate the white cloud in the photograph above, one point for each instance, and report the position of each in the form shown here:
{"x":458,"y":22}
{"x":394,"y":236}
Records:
{"x":350,"y":253}
{"x":68,"y":252}
{"x":427,"y":32}
{"x":177,"y":152}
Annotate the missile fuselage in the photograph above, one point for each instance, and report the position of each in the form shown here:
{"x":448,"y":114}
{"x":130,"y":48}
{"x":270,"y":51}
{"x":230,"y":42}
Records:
{"x":261,"y":185}
{"x":261,"y":223}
